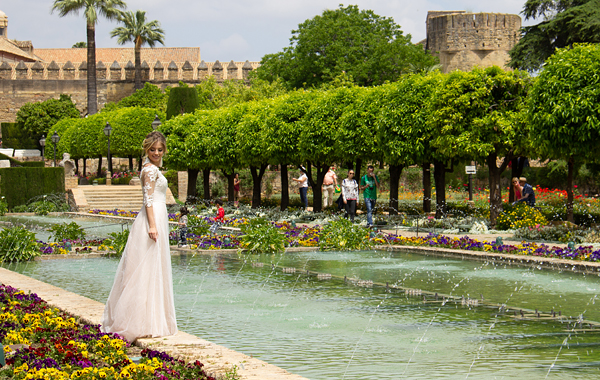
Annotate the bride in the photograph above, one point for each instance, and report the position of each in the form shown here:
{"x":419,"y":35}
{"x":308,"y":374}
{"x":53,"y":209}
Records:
{"x":140,"y":304}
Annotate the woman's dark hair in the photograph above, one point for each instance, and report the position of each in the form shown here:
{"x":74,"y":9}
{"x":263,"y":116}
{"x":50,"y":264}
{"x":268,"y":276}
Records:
{"x":219,"y":202}
{"x":184,"y":211}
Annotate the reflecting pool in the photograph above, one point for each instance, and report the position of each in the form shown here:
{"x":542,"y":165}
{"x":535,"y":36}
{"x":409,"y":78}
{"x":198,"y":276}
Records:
{"x":328,"y":327}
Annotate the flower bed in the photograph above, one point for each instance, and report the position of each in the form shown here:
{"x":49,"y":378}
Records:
{"x":583,"y":253}
{"x":54,"y":345}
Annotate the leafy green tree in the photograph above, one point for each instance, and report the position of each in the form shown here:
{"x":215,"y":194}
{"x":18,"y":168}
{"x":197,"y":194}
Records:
{"x":318,"y":135}
{"x":181,"y":100}
{"x":88,"y":139}
{"x":79,"y":45}
{"x":403,"y":133}
{"x":565,"y":22}
{"x":91,"y":10}
{"x":564,"y":118}
{"x":150,"y":96}
{"x":475,"y":118}
{"x":65,"y":129}
{"x":282,"y":134}
{"x":212,"y":95}
{"x":137,"y":29}
{"x":36,"y":117}
{"x":371,"y":48}
{"x":251,"y":145}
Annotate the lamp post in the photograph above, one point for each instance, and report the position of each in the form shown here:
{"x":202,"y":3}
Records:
{"x":43,"y":144}
{"x":156,"y":123}
{"x":107,"y":132}
{"x":55,"y":139}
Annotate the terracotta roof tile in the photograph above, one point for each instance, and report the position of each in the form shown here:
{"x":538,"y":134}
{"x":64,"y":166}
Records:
{"x":166,"y":54}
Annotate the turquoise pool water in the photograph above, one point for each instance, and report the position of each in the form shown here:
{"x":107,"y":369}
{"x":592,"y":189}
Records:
{"x":335,"y":329}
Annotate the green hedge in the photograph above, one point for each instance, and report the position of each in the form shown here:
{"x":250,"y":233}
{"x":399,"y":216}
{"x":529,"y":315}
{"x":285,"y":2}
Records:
{"x":19,"y":185}
{"x":14,"y":136}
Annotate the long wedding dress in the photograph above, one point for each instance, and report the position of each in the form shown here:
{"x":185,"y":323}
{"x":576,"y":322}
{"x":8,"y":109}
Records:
{"x":141,"y":303}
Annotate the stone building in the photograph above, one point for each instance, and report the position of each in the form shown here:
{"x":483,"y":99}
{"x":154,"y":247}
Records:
{"x":28,"y":76}
{"x":464,"y":40}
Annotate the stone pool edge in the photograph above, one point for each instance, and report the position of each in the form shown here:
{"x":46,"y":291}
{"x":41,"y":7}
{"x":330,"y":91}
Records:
{"x":216,"y":359}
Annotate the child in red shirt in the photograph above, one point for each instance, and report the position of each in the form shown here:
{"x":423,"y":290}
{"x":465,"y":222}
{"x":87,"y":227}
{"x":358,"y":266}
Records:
{"x":220,"y":218}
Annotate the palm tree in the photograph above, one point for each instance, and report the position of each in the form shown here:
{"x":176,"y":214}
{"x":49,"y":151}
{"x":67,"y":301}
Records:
{"x":138,"y":30}
{"x":91,"y":10}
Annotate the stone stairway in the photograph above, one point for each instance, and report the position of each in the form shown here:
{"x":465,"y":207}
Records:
{"x":102,"y":197}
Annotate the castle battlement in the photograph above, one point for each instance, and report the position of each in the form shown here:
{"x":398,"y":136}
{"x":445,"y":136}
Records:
{"x":157,"y":72}
{"x":463,"y":40}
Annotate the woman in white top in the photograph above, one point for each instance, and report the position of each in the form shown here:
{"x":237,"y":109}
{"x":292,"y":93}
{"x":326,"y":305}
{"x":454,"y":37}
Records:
{"x":303,"y":187}
{"x":350,"y":194}
{"x":141,"y":303}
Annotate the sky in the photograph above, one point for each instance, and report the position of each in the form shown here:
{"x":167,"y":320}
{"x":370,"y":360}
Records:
{"x":225,"y":30}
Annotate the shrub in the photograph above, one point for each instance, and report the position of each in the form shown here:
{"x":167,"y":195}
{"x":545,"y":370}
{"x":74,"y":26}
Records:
{"x":118,"y":241}
{"x":42,"y":207}
{"x":343,"y":235}
{"x":67,"y":231}
{"x":260,"y":236}
{"x":519,"y":216}
{"x":17,"y":244}
{"x":3,"y":206}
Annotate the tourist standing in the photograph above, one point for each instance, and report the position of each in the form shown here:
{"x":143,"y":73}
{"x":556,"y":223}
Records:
{"x":350,"y":194}
{"x":236,"y":189}
{"x":302,"y":181}
{"x":329,"y":185}
{"x":369,"y":183}
{"x":141,"y":302}
{"x":527,"y":195}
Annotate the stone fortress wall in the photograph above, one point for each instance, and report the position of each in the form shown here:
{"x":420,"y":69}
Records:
{"x":464,"y":40}
{"x":23,"y":82}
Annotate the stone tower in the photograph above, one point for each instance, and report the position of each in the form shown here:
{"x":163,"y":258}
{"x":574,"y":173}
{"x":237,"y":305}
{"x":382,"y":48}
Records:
{"x":3,"y":24}
{"x":464,"y":40}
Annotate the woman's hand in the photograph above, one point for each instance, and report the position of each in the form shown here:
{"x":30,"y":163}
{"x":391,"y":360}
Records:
{"x":345,"y":202}
{"x":152,"y":233}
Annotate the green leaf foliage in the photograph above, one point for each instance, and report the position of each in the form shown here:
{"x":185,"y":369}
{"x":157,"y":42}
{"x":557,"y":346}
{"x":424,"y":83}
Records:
{"x":181,"y":100}
{"x":370,"y":48}
{"x":260,"y":236}
{"x":36,"y":117}
{"x":17,"y":244}
{"x":150,"y":96}
{"x":343,"y":235}
{"x":564,"y":23}
{"x":564,"y":117}
{"x":67,"y":231}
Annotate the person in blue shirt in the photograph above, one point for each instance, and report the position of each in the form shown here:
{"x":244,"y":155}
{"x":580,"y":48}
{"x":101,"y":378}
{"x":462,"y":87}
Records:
{"x":528,"y":194}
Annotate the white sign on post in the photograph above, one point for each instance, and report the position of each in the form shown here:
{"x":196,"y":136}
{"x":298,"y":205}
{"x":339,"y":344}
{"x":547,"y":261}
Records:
{"x":471,"y":169}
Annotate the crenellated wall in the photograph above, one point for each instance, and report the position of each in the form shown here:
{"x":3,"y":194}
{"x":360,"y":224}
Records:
{"x":22,"y":82}
{"x":465,"y":40}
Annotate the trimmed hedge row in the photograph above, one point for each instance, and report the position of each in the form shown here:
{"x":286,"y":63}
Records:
{"x":28,"y":164}
{"x":19,"y":185}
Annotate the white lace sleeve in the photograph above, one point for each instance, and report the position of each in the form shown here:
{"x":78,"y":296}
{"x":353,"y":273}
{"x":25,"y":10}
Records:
{"x":149,"y":177}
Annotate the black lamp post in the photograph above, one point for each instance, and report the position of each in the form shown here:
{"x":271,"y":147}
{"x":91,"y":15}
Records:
{"x":107,"y":132}
{"x":55,"y":139}
{"x":43,"y":144}
{"x":156,"y":123}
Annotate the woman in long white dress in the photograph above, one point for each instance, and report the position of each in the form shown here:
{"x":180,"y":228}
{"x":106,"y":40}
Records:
{"x":141,"y":303}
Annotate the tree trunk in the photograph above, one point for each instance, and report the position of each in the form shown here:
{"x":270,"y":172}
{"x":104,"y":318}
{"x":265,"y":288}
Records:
{"x":130,"y":157}
{"x":318,"y":186}
{"x":516,"y":171}
{"x":285,"y":187}
{"x":99,"y":166}
{"x":92,"y":96}
{"x":357,"y":170}
{"x":439,"y":176}
{"x":257,"y":175}
{"x":206,"y":184}
{"x":495,"y":189}
{"x":230,"y":177}
{"x":84,"y":167}
{"x":138,"y":64}
{"x":395,"y":173}
{"x":77,"y":166}
{"x":570,"y":173}
{"x":192,"y":193}
{"x":140,"y":161}
{"x":426,"y":186}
